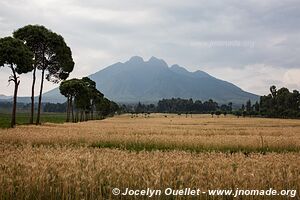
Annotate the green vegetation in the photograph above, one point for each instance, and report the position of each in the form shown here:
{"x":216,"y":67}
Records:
{"x":86,"y":160}
{"x":35,"y":47}
{"x":180,"y":106}
{"x":278,"y":104}
{"x":154,"y":146}
{"x":22,"y":118}
{"x":84,"y":99}
{"x":51,"y":55}
{"x":281,"y":103}
{"x":15,"y":55}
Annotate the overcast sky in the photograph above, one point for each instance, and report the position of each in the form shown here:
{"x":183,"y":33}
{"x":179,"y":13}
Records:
{"x":253,"y":43}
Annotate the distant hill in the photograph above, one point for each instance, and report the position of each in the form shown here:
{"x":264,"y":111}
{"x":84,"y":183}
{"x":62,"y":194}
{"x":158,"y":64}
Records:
{"x":4,"y":97}
{"x":149,"y":81}
{"x":21,"y":99}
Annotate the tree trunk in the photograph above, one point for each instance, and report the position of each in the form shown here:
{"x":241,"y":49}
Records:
{"x":72,"y":109}
{"x":68,"y":109}
{"x":13,"y":117}
{"x":92,"y":112}
{"x":32,"y":96}
{"x":15,"y":80}
{"x":40,"y":99}
{"x":86,"y":115}
{"x":81,"y":115}
{"x":77,"y":116}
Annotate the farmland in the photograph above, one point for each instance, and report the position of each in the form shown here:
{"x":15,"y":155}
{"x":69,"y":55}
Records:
{"x":87,"y":160}
{"x":22,"y":118}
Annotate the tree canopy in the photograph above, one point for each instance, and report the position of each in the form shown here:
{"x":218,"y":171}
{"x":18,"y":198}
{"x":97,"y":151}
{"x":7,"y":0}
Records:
{"x":51,"y":53}
{"x":35,"y":37}
{"x":14,"y":53}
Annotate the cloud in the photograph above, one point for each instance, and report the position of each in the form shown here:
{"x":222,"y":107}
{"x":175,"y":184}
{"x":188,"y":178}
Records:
{"x":252,"y":77}
{"x":103,"y":32}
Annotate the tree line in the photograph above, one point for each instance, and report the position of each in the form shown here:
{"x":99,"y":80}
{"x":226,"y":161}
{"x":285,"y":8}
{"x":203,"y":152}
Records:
{"x":278,"y":104}
{"x":180,"y":106}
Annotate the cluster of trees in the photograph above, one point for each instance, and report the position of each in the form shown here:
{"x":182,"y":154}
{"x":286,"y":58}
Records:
{"x":33,"y":48}
{"x":5,"y":106}
{"x":178,"y":105}
{"x":279,"y":103}
{"x":248,"y":110}
{"x":55,"y":107}
{"x":84,"y":100}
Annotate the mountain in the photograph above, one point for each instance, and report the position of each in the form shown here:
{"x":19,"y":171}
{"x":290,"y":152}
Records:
{"x":149,"y":81}
{"x":56,"y":98}
{"x":2,"y":96}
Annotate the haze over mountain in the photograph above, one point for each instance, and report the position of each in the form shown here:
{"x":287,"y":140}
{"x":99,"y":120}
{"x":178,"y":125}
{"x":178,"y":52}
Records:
{"x":149,"y":81}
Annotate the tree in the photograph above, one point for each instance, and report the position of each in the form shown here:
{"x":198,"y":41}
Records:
{"x":238,"y":113}
{"x":256,"y":107}
{"x":92,"y":93}
{"x":113,"y":107}
{"x":15,"y":55}
{"x":73,"y":89}
{"x":218,"y":113}
{"x":96,"y":96}
{"x":51,"y":54}
{"x":56,"y":60}
{"x":140,"y":108}
{"x":243,"y":107}
{"x":230,"y":106}
{"x":103,"y":107}
{"x":273,"y":90}
{"x":85,"y":95}
{"x":248,"y":106}
{"x":36,"y":38}
{"x":67,"y":89}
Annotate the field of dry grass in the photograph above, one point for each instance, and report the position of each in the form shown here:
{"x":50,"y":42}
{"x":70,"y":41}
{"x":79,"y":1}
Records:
{"x":87,"y":160}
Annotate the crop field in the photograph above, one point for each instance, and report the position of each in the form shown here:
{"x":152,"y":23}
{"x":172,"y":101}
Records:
{"x":88,"y":160}
{"x":23,"y":118}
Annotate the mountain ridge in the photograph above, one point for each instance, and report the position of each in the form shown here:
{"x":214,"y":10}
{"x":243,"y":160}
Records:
{"x":137,"y":80}
{"x":152,"y":80}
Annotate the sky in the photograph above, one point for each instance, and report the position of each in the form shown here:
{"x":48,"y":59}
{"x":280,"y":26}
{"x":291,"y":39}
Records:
{"x":252,"y":43}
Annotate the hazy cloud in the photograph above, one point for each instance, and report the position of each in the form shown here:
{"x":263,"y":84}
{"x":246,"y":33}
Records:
{"x":101,"y":33}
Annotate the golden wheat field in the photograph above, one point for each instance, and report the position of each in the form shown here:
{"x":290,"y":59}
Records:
{"x":88,"y":160}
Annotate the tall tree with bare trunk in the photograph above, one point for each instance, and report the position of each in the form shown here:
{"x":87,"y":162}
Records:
{"x":35,"y":37}
{"x":18,"y":57}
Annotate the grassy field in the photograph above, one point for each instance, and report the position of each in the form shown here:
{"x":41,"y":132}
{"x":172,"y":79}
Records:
{"x":23,"y":118}
{"x":87,"y":160}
